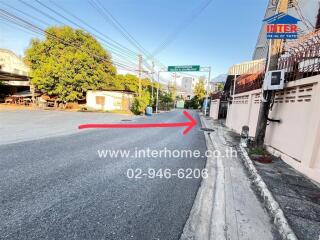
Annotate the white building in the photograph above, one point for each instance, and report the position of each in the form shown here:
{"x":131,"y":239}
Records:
{"x":11,"y":63}
{"x":305,"y":10}
{"x":186,"y":88}
{"x":215,"y":86}
{"x":13,"y":74}
{"x":109,"y":100}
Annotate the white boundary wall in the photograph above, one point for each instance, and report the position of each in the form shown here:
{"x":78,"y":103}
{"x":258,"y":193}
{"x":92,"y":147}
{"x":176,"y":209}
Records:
{"x":113,"y":100}
{"x":214,"y":109}
{"x":244,"y":112}
{"x":297,"y":138}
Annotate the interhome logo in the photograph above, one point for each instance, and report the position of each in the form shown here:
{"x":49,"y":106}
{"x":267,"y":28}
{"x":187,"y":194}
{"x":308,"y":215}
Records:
{"x":282,"y":26}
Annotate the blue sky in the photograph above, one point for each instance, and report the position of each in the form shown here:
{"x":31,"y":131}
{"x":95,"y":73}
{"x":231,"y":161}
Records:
{"x":224,"y":34}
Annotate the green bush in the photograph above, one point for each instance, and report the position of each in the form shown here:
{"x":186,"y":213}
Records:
{"x":194,"y":103}
{"x":166,"y":101}
{"x":140,"y":103}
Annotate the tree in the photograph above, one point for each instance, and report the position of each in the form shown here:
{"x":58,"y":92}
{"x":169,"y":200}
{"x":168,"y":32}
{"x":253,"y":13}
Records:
{"x":172,"y":88}
{"x":220,"y":86}
{"x":166,"y":100}
{"x":69,"y":62}
{"x":193,"y":103}
{"x":199,"y":90}
{"x":140,"y":103}
{"x":128,"y":82}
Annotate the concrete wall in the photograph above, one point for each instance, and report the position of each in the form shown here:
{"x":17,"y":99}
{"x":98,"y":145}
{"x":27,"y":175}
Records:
{"x":214,"y":109}
{"x":244,"y":112}
{"x":297,"y":138}
{"x":113,"y":100}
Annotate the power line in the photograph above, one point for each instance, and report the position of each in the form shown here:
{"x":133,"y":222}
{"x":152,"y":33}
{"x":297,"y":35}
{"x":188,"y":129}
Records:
{"x":38,"y":10}
{"x":26,"y":14}
{"x":108,"y":17}
{"x":170,"y":38}
{"x":111,"y":19}
{"x":51,"y":17}
{"x":121,"y":51}
{"x":110,"y":48}
{"x":94,"y":29}
{"x":304,"y":19}
{"x":25,"y":24}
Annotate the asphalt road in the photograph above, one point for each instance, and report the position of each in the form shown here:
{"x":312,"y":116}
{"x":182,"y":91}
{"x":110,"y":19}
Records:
{"x":59,"y":188}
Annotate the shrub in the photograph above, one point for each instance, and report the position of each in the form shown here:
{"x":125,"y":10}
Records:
{"x":140,"y":103}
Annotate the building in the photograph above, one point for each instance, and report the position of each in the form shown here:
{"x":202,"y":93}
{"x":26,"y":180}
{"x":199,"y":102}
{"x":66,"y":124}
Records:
{"x":306,"y":10}
{"x":11,"y":63}
{"x":13,"y":73}
{"x":185,"y":90}
{"x":109,"y":100}
{"x":215,"y":86}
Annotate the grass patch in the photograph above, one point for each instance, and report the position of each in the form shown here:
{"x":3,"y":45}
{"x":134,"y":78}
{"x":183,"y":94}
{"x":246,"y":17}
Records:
{"x":258,"y":151}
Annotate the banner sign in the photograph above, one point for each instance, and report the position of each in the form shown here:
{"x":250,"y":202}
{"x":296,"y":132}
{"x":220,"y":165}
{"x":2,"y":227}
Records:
{"x":186,"y":68}
{"x":282,"y":26}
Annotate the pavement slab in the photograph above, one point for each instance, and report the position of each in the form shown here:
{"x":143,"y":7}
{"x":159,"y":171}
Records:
{"x":246,"y":216}
{"x":296,"y":194}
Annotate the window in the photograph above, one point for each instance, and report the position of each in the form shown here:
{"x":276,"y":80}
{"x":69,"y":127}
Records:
{"x":100,"y":100}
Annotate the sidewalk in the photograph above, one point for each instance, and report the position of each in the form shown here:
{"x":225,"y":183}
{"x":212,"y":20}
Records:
{"x":226,"y":207}
{"x":298,"y":197}
{"x":246,"y":217}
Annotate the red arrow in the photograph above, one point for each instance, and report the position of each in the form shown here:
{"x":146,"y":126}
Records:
{"x":190,"y":124}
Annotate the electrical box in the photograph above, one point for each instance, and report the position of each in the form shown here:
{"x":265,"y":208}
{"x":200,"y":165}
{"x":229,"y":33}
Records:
{"x":274,"y":80}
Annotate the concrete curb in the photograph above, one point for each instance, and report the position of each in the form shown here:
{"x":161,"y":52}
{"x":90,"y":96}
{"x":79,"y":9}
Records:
{"x":271,"y":204}
{"x":201,"y":224}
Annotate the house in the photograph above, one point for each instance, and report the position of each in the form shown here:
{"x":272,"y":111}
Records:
{"x":109,"y":100}
{"x":13,"y":74}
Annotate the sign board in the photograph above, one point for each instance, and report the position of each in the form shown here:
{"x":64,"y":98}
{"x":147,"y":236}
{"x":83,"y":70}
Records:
{"x":281,"y":26}
{"x":186,"y":68}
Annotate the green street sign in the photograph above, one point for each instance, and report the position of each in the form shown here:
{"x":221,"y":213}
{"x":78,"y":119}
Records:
{"x":186,"y":68}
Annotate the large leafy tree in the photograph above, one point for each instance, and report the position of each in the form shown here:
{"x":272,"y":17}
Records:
{"x":69,"y":62}
{"x":199,"y":90}
{"x":128,"y":82}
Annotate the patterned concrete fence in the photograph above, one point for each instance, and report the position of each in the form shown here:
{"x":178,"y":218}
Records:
{"x":297,"y":138}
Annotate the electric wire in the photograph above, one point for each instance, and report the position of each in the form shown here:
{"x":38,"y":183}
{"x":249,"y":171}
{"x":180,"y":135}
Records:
{"x":27,"y":25}
{"x":114,"y":43}
{"x":112,"y":50}
{"x":108,"y":17}
{"x":171,"y":37}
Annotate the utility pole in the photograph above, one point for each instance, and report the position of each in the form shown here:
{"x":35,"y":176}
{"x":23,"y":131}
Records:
{"x":140,"y":74}
{"x":152,"y":81}
{"x":207,"y":93}
{"x":157,"y":100}
{"x":275,"y":47}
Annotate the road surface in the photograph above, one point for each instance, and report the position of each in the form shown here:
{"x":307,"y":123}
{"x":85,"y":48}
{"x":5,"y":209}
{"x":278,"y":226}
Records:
{"x":59,"y":188}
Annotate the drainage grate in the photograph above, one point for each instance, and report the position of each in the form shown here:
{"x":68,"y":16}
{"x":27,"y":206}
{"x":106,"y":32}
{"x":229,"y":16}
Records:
{"x":207,"y":129}
{"x":126,"y":120}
